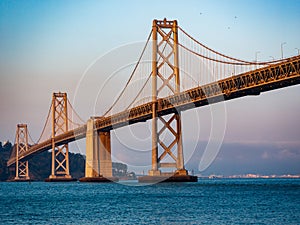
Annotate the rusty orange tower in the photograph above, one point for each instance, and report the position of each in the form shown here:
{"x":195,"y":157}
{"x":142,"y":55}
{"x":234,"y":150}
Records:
{"x":22,"y":171}
{"x":60,"y":153}
{"x":167,"y":149}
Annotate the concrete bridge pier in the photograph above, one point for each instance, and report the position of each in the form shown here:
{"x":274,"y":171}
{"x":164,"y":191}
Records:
{"x":98,"y":165}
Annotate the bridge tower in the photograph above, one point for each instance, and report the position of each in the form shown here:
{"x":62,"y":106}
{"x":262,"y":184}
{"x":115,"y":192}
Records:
{"x":60,"y":153}
{"x":166,"y":152}
{"x":22,"y":171}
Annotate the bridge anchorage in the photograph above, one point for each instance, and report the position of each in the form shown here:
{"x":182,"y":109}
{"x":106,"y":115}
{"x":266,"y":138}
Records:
{"x":60,"y":170}
{"x":21,"y":146}
{"x":166,"y":79}
{"x":98,"y":164}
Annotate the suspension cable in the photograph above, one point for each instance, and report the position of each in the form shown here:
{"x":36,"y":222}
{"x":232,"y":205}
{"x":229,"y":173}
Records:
{"x":206,"y":57}
{"x":45,"y":124}
{"x":146,"y":80}
{"x":211,"y":59}
{"x":31,"y":139}
{"x":76,"y":114}
{"x":13,"y":150}
{"x":76,"y":124}
{"x":130,"y":78}
{"x":228,"y":57}
{"x":138,"y":94}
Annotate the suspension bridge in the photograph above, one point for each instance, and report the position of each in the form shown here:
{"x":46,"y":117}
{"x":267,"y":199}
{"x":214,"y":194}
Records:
{"x":174,"y":73}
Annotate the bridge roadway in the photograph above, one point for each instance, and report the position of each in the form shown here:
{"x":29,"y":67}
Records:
{"x":283,"y":74}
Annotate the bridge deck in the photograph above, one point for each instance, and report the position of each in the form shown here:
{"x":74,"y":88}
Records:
{"x":284,"y":74}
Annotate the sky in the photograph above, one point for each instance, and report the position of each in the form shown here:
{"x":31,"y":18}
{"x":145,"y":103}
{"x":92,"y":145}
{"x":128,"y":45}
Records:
{"x":47,"y":46}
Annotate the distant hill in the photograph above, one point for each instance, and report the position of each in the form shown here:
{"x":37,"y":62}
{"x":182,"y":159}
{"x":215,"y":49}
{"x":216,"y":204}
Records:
{"x":40,"y":165}
{"x":5,"y":151}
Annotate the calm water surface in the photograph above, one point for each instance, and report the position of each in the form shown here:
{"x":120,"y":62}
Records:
{"x":224,"y":201}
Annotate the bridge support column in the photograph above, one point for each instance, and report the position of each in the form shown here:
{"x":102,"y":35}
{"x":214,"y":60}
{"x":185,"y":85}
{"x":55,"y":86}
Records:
{"x":92,"y":167}
{"x":167,"y":151}
{"x":98,"y":167}
{"x":154,"y":171}
{"x":22,"y":170}
{"x":105,"y":154}
{"x":60,"y":170}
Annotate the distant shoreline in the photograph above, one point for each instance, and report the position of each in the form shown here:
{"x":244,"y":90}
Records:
{"x":249,"y":176}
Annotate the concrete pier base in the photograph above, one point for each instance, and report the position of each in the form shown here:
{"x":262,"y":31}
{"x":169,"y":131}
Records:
{"x":20,"y":180}
{"x":60,"y":179}
{"x":164,"y":178}
{"x":99,"y":179}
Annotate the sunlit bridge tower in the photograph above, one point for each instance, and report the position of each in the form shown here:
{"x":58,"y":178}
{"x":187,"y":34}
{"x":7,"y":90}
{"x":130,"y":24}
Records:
{"x":60,"y":152}
{"x":167,"y":149}
{"x":21,"y":146}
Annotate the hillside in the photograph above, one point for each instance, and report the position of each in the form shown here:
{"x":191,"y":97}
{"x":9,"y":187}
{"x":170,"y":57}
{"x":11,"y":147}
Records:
{"x":40,"y":165}
{"x":4,"y":156}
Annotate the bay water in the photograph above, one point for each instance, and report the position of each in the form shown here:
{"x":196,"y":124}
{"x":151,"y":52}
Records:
{"x":209,"y":201}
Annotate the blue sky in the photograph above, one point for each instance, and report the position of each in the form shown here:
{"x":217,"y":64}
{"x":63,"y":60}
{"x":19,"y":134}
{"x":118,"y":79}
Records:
{"x":46,"y":46}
